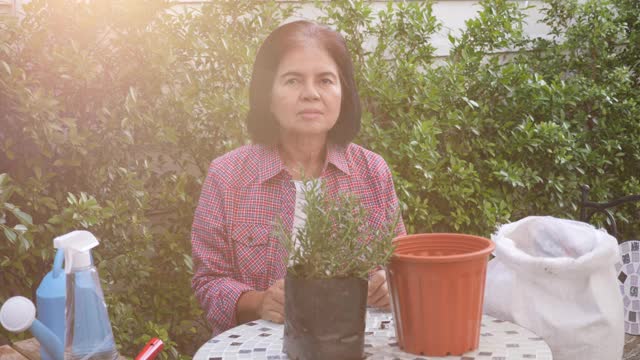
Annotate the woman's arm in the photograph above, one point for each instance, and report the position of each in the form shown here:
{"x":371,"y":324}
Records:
{"x":378,"y":291}
{"x":214,"y":269}
{"x":247,"y":308}
{"x":389,"y":193}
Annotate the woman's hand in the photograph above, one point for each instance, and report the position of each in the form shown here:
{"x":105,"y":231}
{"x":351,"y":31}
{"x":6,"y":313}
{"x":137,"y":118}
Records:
{"x":378,"y":292}
{"x":272,"y":305}
{"x":267,"y":305}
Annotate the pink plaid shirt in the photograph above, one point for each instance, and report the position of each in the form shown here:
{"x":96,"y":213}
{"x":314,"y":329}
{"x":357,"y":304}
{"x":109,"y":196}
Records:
{"x":245,"y":191}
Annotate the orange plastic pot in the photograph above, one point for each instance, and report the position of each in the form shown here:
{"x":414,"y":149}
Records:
{"x":436,"y":283}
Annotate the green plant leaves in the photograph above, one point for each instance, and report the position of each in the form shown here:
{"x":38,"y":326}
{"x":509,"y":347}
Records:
{"x":511,"y":125}
{"x":336,"y":240}
{"x":24,"y":218}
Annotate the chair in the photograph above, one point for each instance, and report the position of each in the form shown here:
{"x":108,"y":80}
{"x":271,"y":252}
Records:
{"x":589,"y":208}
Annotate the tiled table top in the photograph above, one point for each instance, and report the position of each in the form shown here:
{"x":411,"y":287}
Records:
{"x":629,"y":281}
{"x":499,"y":340}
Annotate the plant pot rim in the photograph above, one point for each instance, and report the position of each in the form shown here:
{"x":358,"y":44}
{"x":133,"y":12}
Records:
{"x":489,"y":247}
{"x":337,"y":278}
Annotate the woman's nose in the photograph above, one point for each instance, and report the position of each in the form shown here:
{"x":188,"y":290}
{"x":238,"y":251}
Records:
{"x":310,"y":92}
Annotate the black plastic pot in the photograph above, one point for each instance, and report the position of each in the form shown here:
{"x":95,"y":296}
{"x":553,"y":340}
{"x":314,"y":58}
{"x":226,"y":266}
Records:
{"x":324,"y":318}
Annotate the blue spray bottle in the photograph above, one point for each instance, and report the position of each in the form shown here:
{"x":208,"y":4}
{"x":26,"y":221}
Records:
{"x":88,"y":334}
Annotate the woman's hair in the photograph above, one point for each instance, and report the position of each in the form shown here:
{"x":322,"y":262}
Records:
{"x":263,"y":127}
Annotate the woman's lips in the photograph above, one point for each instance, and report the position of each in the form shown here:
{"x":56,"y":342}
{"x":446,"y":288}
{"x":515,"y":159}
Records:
{"x":310,"y":114}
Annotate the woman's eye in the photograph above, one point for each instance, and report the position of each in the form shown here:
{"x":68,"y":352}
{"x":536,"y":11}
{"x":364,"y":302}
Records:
{"x":291,"y":81}
{"x":327,"y":81}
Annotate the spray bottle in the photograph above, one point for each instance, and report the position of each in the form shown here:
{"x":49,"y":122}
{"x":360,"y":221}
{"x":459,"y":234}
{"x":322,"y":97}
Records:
{"x":88,"y":334}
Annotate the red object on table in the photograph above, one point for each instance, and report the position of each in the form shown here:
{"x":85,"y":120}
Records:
{"x":151,"y":350}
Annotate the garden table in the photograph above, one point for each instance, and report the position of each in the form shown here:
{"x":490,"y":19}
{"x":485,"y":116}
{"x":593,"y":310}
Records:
{"x":499,"y":340}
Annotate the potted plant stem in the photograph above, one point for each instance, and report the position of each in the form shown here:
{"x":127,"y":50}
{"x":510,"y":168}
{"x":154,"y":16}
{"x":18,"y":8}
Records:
{"x":330,"y":258}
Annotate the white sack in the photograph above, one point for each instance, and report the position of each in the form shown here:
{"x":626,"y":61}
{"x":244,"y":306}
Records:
{"x":557,"y":278}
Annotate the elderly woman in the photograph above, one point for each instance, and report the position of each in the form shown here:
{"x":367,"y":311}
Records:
{"x":304,"y":112}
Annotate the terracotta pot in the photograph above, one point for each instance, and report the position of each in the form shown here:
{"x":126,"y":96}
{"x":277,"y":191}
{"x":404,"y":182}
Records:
{"x":324,"y":318}
{"x":436,"y":284}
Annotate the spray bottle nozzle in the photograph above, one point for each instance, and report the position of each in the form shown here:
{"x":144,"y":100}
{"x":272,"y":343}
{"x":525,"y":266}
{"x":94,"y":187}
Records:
{"x":77,"y":246}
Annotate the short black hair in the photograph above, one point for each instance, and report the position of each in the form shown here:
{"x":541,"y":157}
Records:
{"x":261,"y":124}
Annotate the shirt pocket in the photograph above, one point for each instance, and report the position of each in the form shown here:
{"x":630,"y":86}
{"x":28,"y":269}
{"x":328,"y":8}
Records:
{"x":251,"y":243}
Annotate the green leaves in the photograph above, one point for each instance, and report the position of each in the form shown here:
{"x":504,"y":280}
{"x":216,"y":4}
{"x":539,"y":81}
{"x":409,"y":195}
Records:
{"x":6,"y":67}
{"x":11,"y":236}
{"x":337,"y":239}
{"x":22,"y":217}
{"x":480,"y":138}
{"x":15,"y":225}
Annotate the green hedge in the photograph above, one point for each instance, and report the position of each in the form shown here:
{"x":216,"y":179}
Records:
{"x":110,"y":113}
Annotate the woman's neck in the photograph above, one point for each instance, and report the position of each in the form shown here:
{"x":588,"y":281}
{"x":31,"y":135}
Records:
{"x":303,"y":157}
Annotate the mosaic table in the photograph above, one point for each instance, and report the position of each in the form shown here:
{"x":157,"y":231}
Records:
{"x":499,"y":340}
{"x":629,"y":277}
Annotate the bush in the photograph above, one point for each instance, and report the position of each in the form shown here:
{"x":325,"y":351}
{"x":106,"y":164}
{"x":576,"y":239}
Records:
{"x":112,"y":111}
{"x":488,"y":136}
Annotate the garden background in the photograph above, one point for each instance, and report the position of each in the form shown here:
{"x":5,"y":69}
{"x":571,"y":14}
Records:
{"x":111,"y":111}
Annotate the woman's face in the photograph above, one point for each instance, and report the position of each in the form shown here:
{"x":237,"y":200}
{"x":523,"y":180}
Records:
{"x":306,"y":92}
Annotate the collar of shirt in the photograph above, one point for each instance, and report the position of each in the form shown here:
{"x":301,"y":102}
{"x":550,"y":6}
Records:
{"x":272,"y":164}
